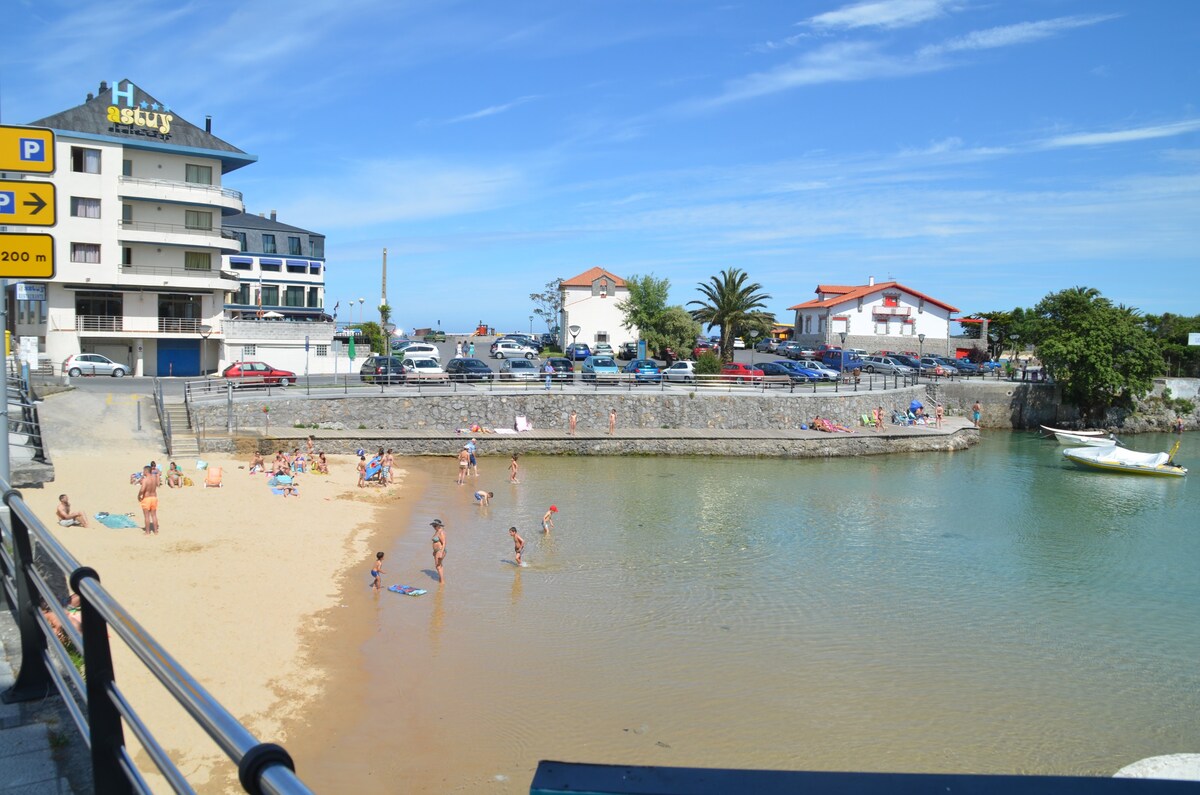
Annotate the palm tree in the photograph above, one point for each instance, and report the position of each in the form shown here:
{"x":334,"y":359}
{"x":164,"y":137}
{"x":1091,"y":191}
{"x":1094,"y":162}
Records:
{"x":731,"y":305}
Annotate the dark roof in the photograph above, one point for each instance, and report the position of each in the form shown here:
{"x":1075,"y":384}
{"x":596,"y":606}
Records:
{"x":252,"y":221}
{"x":91,"y":119}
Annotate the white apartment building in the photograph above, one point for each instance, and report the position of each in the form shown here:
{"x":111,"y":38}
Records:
{"x":589,"y":301}
{"x":885,"y":316}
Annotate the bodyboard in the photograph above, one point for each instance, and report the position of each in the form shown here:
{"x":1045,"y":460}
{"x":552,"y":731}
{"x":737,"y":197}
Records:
{"x":406,"y":590}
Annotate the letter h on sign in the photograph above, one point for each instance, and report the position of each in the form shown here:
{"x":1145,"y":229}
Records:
{"x":126,"y":93}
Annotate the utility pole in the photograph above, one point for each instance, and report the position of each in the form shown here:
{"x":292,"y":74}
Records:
{"x":383,"y":292}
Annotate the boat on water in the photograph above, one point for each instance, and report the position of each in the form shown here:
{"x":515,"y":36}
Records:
{"x":1065,"y":437}
{"x":1053,"y":431}
{"x":1118,"y":459}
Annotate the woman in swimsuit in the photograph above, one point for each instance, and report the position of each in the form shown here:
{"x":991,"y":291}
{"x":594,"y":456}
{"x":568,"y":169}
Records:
{"x":439,"y":547}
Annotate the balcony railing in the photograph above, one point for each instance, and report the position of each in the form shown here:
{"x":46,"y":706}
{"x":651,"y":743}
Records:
{"x":179,"y":325}
{"x":175,"y":229}
{"x":168,"y":183}
{"x":99,"y":323}
{"x":892,"y":311}
{"x":116,"y":323}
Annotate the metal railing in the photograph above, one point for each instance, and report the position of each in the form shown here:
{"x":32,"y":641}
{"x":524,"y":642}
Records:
{"x":177,"y":185}
{"x":179,"y":325}
{"x":100,"y":709}
{"x":24,"y":424}
{"x":174,"y":229}
{"x":164,"y":419}
{"x":99,"y":323}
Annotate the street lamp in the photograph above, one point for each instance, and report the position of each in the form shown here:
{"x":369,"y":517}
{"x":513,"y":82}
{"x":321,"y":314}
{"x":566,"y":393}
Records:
{"x":842,"y":334}
{"x":920,"y":352}
{"x":205,"y":333}
{"x":752,"y":334}
{"x":531,"y":324}
{"x":361,"y":310}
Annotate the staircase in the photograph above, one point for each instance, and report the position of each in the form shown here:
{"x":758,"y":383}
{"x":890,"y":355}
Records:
{"x":183,"y":438}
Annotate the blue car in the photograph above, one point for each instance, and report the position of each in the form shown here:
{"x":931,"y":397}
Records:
{"x":784,"y":368}
{"x":600,"y":368}
{"x":578,"y":351}
{"x":644,"y":370}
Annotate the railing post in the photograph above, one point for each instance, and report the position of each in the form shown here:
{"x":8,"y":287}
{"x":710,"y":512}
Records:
{"x":104,"y":721}
{"x":33,"y":680}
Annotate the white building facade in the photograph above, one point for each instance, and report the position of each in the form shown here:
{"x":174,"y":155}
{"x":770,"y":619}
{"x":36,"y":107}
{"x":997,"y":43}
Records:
{"x":886,"y":316}
{"x":589,"y":301}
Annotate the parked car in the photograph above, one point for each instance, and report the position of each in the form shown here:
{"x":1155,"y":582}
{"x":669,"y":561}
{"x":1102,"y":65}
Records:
{"x":838,"y":359}
{"x":629,"y":350}
{"x":564,"y":368}
{"x":469,"y":370}
{"x":578,"y":351}
{"x":257,"y":373}
{"x":739,"y":344}
{"x":397,"y":346}
{"x":422,"y":349}
{"x":906,"y":359}
{"x":644,"y":371}
{"x":92,"y":364}
{"x":827,"y":372}
{"x":382,"y":369}
{"x":603,"y":349}
{"x":600,"y":368}
{"x":703,"y":348}
{"x":810,"y":371}
{"x":523,"y":369}
{"x":435,"y":335}
{"x":667,"y":354}
{"x":683,"y":371}
{"x":966,"y":367}
{"x":766,"y":345}
{"x":507,"y":349}
{"x":933,"y":366}
{"x":990,"y":366}
{"x":741,"y":372}
{"x":527,"y":340}
{"x":548,"y":340}
{"x":421,"y":367}
{"x":778,"y":369}
{"x":885,"y":364}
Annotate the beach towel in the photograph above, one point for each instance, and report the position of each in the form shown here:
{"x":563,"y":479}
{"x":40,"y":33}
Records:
{"x":201,"y":464}
{"x":116,"y":521}
{"x":523,"y":424}
{"x":406,"y":590}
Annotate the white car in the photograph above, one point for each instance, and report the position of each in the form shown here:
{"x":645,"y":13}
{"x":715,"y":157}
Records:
{"x":92,"y":364}
{"x":739,"y":344}
{"x":421,"y":366}
{"x":684,"y":371}
{"x":420,"y":350}
{"x":506,"y":349}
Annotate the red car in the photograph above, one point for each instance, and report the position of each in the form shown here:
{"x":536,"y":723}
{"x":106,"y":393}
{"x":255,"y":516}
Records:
{"x":257,"y":373}
{"x":704,"y":347}
{"x":740,"y":371}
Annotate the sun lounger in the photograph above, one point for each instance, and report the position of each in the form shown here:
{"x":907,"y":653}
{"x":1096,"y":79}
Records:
{"x":212,"y":478}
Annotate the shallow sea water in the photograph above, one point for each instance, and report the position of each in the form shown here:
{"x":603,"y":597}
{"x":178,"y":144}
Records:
{"x":993,"y":610}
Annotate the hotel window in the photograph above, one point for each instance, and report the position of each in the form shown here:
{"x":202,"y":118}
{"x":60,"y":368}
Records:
{"x":199,"y":175}
{"x":293,"y":296}
{"x":273,"y":265}
{"x":316,"y":247}
{"x":249,"y":351}
{"x":240,"y":237}
{"x":197,"y":261}
{"x":322,"y":350}
{"x":314,"y":297}
{"x":126,"y":255}
{"x":126,"y":168}
{"x":242,"y":296}
{"x":126,"y":213}
{"x":85,"y":252}
{"x":197,"y":219}
{"x":270,"y":295}
{"x":269,"y":244}
{"x":84,"y":160}
{"x":85,"y":208}
{"x":294,"y":246}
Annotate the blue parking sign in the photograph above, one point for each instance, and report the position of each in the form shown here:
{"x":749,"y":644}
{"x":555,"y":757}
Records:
{"x":8,"y":202}
{"x":32,"y":150}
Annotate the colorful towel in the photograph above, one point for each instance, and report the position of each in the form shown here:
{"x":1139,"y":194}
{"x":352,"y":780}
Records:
{"x":406,"y":590}
{"x":116,"y":521}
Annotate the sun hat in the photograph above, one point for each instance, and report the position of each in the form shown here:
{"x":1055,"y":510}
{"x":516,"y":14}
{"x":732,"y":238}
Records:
{"x":554,"y":508}
{"x":436,"y":523}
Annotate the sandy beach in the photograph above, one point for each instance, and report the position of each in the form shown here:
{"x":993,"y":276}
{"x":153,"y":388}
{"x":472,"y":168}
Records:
{"x":235,"y":585}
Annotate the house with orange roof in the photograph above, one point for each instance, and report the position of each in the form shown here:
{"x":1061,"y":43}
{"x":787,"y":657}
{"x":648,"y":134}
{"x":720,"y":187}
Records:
{"x":885,"y":316}
{"x":589,"y":306}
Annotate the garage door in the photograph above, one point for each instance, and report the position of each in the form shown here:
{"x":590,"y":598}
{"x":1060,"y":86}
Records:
{"x":178,"y":357}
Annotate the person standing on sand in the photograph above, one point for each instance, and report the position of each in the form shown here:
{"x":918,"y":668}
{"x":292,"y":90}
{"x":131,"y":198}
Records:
{"x":513,"y":469}
{"x":362,"y":471}
{"x":377,"y":571}
{"x":439,"y":548}
{"x":464,"y":461}
{"x":312,"y":448}
{"x":67,"y":517}
{"x":612,"y":421}
{"x":879,"y":419}
{"x":548,"y":519}
{"x":976,"y":410}
{"x":938,"y":412}
{"x":571,"y":420}
{"x":148,"y":499}
{"x":518,"y":544}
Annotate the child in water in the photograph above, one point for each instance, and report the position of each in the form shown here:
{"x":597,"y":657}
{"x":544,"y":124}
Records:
{"x":518,"y":545}
{"x":377,"y":572}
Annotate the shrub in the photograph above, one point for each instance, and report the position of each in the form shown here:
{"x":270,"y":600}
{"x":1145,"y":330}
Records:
{"x":708,"y":364}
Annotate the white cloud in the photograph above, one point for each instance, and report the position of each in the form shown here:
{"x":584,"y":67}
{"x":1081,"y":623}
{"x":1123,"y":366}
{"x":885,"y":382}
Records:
{"x":1010,"y":35}
{"x":882,"y":14}
{"x":492,"y":110}
{"x":1122,"y":136}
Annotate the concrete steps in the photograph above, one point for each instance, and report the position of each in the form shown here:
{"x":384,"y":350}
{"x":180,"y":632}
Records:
{"x":183,"y":438}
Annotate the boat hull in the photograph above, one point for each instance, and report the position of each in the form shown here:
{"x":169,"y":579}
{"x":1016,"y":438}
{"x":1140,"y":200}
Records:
{"x":1105,"y":460}
{"x":1083,"y":441}
{"x":1053,"y":431}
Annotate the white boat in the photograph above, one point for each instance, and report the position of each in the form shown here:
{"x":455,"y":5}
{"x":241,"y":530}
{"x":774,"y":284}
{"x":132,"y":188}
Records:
{"x":1053,"y":431}
{"x":1118,"y":459}
{"x":1065,"y":437}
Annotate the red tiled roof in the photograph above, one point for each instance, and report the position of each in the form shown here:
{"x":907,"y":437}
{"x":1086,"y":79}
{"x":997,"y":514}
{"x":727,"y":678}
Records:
{"x":854,"y":293}
{"x":835,"y":288}
{"x":586,"y":278}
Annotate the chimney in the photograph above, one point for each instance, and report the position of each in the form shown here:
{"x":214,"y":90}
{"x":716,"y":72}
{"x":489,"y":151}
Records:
{"x":272,"y":215}
{"x":208,"y":124}
{"x":103,"y":86}
{"x":89,"y":98}
{"x":262,"y":215}
{"x":871,"y":281}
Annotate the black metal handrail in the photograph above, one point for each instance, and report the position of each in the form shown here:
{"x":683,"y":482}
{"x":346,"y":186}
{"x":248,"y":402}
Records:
{"x":99,"y":708}
{"x":164,"y":419}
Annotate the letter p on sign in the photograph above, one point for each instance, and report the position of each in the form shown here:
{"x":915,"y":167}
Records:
{"x":33,"y":150}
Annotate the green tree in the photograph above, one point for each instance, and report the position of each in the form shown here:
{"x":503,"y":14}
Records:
{"x":733,"y":305}
{"x":675,"y":329}
{"x":1101,"y":355}
{"x":373,"y":334}
{"x":548,"y":304}
{"x":1009,"y":331}
{"x":1172,"y":333}
{"x":661,"y":326}
{"x":385,"y":314}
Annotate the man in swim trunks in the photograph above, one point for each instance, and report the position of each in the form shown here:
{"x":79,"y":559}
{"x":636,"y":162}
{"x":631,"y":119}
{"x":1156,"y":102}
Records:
{"x":67,"y":517}
{"x":474,"y":462}
{"x":518,"y":544}
{"x":975,"y":411}
{"x":148,"y":499}
{"x":484,"y":497}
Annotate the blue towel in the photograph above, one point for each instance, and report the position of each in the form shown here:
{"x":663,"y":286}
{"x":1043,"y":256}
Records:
{"x":116,"y":521}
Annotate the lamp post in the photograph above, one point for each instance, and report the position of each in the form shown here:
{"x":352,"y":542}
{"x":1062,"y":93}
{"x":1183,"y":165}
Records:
{"x":531,"y":325}
{"x":752,"y":334}
{"x":205,"y":332}
{"x":842,"y":334}
{"x":920,"y":353}
{"x":361,"y":310}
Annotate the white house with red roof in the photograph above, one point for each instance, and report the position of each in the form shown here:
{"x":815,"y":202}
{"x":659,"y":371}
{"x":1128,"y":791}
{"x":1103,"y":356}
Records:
{"x":884,"y":316}
{"x":589,"y":301}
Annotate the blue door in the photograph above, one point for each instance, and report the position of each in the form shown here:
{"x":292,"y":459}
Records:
{"x":178,"y":357}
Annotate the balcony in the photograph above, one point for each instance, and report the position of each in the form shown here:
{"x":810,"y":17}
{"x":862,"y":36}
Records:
{"x":174,"y":235}
{"x":892,"y":311}
{"x":115,"y":324}
{"x":99,"y":323}
{"x":228,"y":199}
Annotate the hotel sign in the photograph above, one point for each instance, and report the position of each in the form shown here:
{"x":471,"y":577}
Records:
{"x":147,"y":119}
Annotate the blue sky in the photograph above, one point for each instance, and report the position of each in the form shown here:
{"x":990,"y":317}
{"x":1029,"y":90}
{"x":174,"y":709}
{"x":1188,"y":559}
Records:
{"x":985,"y":153}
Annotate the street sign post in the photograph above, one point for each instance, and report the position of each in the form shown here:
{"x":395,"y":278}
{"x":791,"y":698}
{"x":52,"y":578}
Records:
{"x":27,"y":203}
{"x":26,"y":256}
{"x":26,"y":149}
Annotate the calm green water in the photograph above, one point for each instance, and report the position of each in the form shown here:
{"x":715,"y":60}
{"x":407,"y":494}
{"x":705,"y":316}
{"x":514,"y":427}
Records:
{"x":988,"y":611}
